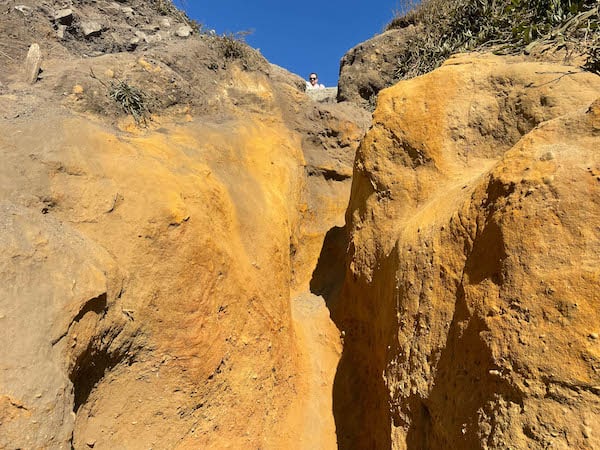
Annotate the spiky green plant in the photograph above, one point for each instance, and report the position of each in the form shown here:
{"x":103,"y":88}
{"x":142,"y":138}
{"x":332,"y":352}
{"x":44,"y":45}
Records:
{"x":131,"y":99}
{"x":444,"y":27}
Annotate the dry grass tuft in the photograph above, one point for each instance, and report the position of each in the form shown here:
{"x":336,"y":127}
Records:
{"x":445,"y":27}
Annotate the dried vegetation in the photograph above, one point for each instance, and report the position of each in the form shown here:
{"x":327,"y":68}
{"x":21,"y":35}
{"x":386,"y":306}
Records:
{"x":445,"y":27}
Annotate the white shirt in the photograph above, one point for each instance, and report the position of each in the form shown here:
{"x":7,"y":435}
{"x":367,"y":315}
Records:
{"x":316,"y":86}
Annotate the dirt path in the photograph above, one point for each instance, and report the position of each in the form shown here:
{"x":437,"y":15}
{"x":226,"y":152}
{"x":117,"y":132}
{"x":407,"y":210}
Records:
{"x":318,"y":341}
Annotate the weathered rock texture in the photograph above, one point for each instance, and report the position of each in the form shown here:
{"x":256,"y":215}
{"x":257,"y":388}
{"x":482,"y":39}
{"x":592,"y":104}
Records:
{"x":154,"y":269}
{"x":147,"y":268}
{"x":470,"y":301}
{"x":371,"y":66}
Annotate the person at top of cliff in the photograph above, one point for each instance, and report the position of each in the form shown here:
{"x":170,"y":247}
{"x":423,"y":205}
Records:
{"x":313,"y":82}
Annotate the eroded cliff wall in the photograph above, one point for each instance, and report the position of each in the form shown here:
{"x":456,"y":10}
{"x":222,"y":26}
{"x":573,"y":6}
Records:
{"x":150,"y":267}
{"x":470,"y":300}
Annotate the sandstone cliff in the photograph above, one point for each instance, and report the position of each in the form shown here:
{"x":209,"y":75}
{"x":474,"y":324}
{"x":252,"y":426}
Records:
{"x":151,"y":263}
{"x":469,"y":304}
{"x":172,"y":223}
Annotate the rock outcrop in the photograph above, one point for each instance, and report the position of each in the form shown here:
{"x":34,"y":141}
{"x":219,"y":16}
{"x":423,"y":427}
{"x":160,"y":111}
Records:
{"x":470,"y":299}
{"x":154,"y":264}
{"x":165,"y":197}
{"x":371,"y":66}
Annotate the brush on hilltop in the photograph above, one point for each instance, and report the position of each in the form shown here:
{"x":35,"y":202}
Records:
{"x":445,"y":27}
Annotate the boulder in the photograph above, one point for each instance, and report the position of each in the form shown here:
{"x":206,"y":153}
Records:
{"x":370,"y":67}
{"x":184,"y":31}
{"x":325,"y":95}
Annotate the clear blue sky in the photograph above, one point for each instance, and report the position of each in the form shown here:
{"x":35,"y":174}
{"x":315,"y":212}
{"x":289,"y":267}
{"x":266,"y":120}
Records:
{"x":299,"y":36}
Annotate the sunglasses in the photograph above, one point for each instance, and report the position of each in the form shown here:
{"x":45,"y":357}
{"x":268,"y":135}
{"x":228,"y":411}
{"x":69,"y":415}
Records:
{"x":312,"y":79}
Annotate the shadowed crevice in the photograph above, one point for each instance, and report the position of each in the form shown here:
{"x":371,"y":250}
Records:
{"x":328,"y":276}
{"x":95,"y":360}
{"x":97,"y":305}
{"x":361,"y":404}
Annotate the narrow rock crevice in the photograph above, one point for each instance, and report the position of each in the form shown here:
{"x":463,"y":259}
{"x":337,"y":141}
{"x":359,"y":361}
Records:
{"x":361,"y":404}
{"x":90,"y":368}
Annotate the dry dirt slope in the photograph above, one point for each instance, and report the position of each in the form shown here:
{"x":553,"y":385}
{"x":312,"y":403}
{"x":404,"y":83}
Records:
{"x":148,"y":271}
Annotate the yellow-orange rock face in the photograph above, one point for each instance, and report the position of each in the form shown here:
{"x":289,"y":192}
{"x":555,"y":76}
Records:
{"x":470,"y":303}
{"x":147,"y":271}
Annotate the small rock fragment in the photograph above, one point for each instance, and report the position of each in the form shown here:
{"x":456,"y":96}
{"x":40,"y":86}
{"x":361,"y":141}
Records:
{"x":153,"y":38}
{"x":33,"y":63}
{"x":60,"y":31}
{"x":184,"y":31}
{"x":593,"y":336}
{"x":91,"y":28}
{"x":165,"y":23}
{"x":140,"y":35}
{"x":90,"y":443}
{"x":133,"y":43}
{"x":587,"y":432}
{"x":25,"y":10}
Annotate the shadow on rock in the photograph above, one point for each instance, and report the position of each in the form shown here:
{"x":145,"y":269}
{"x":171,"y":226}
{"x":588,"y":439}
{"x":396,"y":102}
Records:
{"x":328,"y":276}
{"x":360,"y":397}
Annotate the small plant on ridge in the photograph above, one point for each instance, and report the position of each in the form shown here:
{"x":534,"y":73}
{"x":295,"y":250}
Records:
{"x":131,"y":99}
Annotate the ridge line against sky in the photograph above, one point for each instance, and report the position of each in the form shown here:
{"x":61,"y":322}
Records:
{"x":301,"y":37}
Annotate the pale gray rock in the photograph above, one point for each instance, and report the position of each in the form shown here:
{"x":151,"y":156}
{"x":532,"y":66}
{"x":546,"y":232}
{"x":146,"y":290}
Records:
{"x":64,"y":16}
{"x":184,"y":31}
{"x":153,"y":38}
{"x":127,"y":11}
{"x":91,"y":28}
{"x":60,"y":31}
{"x":326,"y":95}
{"x":33,"y":63}
{"x":25,"y":10}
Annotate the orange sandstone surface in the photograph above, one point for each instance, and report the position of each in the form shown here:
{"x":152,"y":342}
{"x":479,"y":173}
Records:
{"x":155,"y":275}
{"x":190,"y":280}
{"x":470,"y":298}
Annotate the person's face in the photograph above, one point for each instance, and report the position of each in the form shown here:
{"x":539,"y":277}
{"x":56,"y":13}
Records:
{"x":313,"y":79}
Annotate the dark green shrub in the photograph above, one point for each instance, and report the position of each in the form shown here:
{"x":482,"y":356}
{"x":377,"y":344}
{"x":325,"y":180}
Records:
{"x":231,"y":48}
{"x":232,"y":45}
